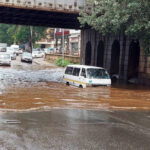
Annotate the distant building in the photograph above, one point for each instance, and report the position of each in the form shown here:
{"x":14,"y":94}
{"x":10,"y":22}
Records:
{"x":75,"y":42}
{"x":54,"y":39}
{"x":49,"y":40}
{"x":44,"y":43}
{"x":59,"y":40}
{"x":72,"y":40}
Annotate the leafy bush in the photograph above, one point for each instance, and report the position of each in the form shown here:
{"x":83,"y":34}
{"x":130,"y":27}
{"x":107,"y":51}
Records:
{"x":60,"y":63}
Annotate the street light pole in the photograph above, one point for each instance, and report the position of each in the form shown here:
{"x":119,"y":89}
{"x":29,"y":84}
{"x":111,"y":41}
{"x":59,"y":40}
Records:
{"x":31,"y":34}
{"x":63,"y":49}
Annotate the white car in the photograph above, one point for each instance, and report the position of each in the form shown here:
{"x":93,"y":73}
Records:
{"x":12,"y":53}
{"x":37,"y":54}
{"x":82,"y":76}
{"x":26,"y":57}
{"x":5,"y":59}
{"x":3,"y":49}
{"x":47,"y":51}
{"x":20,"y":51}
{"x":15,"y":48}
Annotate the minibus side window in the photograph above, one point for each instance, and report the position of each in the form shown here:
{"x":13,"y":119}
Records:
{"x":83,"y":73}
{"x":76,"y":71}
{"x":69,"y":70}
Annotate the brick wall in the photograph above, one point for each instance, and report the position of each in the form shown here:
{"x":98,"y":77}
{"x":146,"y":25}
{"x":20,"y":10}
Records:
{"x":54,"y":57}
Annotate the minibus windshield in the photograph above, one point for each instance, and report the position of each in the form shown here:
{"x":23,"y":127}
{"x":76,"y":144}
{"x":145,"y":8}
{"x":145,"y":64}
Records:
{"x":94,"y":73}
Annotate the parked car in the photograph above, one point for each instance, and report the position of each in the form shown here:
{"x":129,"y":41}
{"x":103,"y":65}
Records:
{"x":82,"y":76}
{"x":37,"y":54}
{"x":26,"y":57}
{"x":3,"y":49}
{"x":3,"y":45}
{"x":5,"y":58}
{"x":43,"y":52}
{"x":12,"y":53}
{"x":20,"y":51}
{"x":15,"y":48}
{"x":47,"y":51}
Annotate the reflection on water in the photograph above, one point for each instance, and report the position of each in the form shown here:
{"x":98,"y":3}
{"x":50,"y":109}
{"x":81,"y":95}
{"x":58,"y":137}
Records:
{"x":42,"y":88}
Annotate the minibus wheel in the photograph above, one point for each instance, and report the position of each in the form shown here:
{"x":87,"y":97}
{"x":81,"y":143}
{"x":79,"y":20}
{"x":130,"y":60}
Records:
{"x":67,"y":83}
{"x":80,"y":86}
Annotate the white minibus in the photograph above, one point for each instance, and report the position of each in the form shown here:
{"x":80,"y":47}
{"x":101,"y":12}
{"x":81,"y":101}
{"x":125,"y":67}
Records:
{"x":82,"y":76}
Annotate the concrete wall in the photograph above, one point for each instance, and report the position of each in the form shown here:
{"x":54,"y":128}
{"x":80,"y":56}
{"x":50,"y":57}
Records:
{"x":55,"y":57}
{"x":94,"y":37}
{"x":144,"y":69}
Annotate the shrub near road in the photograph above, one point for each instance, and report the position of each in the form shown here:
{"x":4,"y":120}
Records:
{"x":59,"y":63}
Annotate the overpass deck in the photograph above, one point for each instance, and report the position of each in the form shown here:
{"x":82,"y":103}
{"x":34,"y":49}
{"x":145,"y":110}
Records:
{"x":70,"y":6}
{"x":51,"y":13}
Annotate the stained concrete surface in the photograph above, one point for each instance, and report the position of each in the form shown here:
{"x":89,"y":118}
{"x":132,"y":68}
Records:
{"x":75,"y":130}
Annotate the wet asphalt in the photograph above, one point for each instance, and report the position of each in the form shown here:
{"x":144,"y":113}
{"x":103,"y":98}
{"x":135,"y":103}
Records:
{"x":75,"y":130}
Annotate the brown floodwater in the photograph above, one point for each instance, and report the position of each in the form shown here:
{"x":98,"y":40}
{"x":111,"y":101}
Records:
{"x":30,"y":87}
{"x":57,"y":95}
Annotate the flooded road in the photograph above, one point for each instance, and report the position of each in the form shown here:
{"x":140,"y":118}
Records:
{"x":39,"y":112}
{"x":39,"y":87}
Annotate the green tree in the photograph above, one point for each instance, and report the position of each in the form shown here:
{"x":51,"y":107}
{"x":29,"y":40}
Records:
{"x":113,"y":16}
{"x":20,"y":34}
{"x":4,"y":36}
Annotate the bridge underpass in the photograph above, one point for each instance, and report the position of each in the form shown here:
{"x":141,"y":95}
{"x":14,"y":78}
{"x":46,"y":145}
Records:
{"x":26,"y":87}
{"x":63,"y":14}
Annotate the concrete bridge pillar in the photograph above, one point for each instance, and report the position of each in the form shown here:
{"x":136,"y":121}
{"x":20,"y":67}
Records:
{"x":119,"y":54}
{"x":110,"y":52}
{"x":125,"y":65}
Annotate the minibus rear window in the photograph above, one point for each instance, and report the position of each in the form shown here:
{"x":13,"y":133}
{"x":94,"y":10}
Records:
{"x":76,"y":71}
{"x":69,"y":70}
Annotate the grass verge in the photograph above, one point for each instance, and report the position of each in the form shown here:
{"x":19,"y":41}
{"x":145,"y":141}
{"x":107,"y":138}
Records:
{"x":59,"y":63}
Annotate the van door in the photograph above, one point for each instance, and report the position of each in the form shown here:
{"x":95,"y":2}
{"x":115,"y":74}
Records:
{"x":76,"y":80}
{"x":82,"y":77}
{"x":68,"y":76}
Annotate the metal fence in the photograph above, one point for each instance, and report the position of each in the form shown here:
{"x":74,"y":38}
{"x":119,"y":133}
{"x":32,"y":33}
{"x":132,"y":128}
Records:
{"x":49,"y":5}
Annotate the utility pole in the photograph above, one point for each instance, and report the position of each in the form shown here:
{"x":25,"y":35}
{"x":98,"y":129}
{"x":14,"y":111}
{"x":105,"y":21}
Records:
{"x":63,"y":48}
{"x":31,"y":34}
{"x":55,"y":45}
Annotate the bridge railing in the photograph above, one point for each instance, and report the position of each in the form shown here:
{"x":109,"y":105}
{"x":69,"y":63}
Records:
{"x":49,"y":5}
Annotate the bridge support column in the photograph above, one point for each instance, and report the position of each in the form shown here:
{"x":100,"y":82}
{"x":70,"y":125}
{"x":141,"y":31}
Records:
{"x":93,"y":38}
{"x":118,"y":53}
{"x":144,"y":69}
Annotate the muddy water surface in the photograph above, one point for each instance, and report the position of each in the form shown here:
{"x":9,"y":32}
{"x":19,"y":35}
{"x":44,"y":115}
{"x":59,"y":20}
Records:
{"x":33,"y":87}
